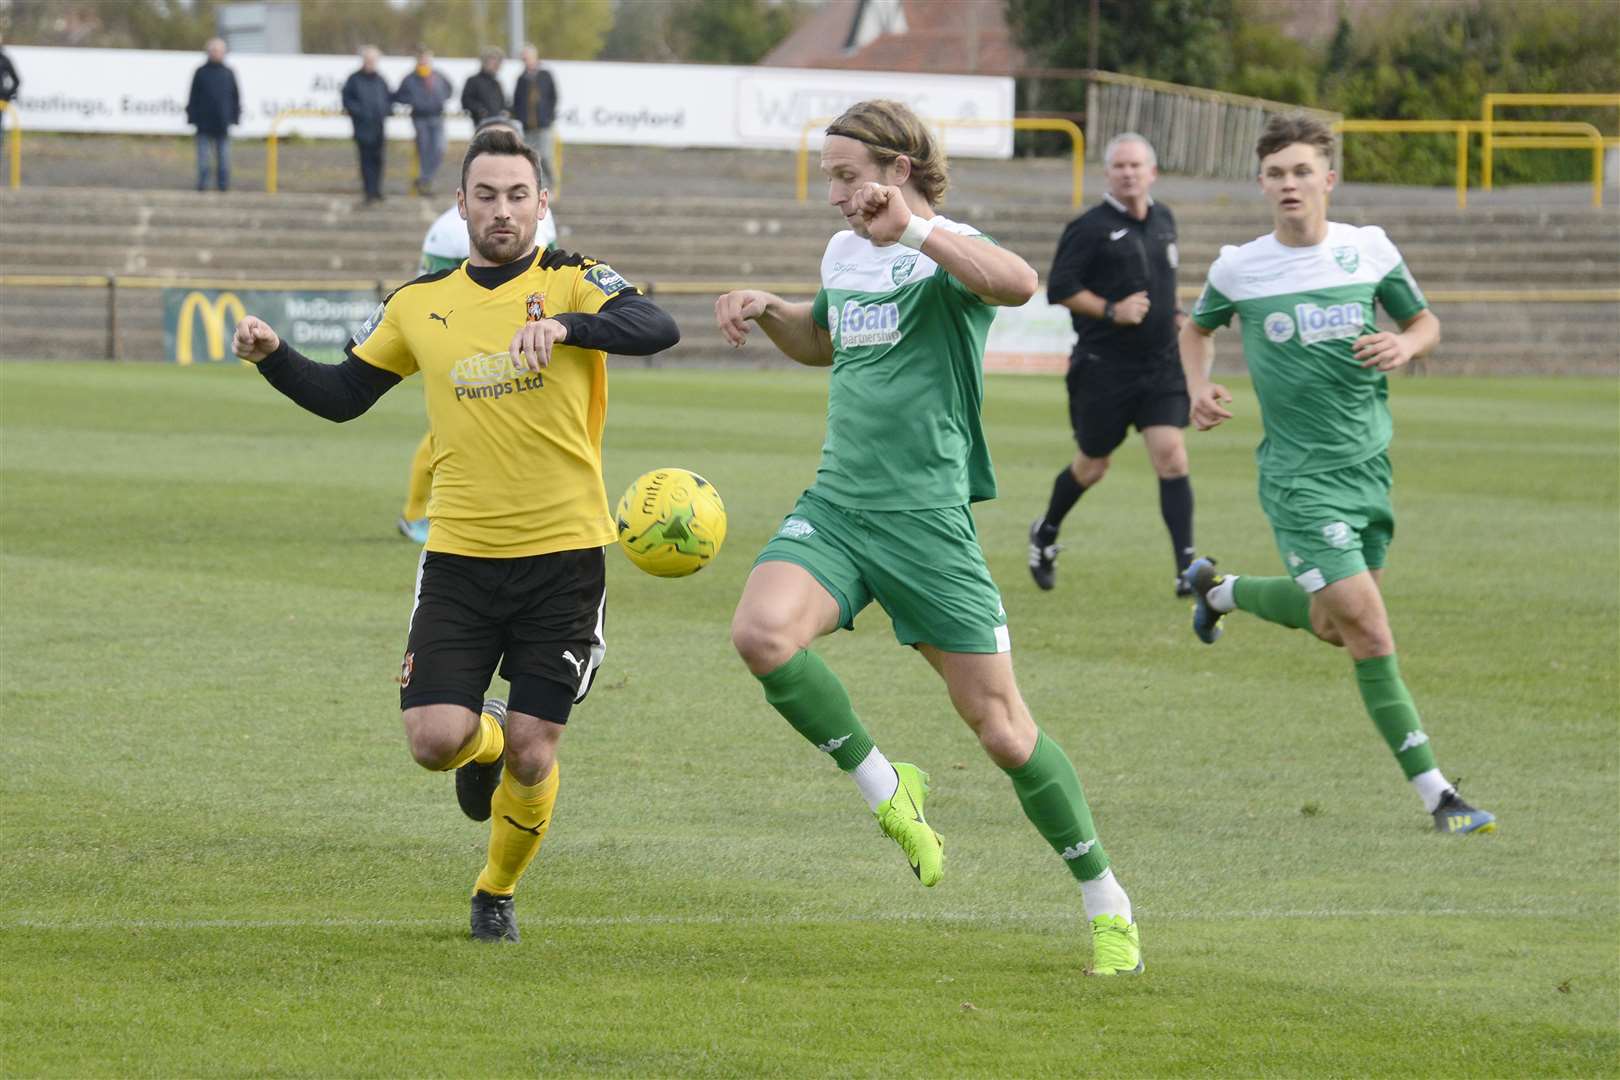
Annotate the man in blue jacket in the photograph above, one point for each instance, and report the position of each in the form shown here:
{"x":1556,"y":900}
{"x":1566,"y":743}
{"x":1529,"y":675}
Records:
{"x":367,"y":100}
{"x":214,"y":106}
{"x":426,"y":90}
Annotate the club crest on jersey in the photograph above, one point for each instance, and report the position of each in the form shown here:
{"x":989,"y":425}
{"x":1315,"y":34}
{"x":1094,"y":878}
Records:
{"x":866,"y":324}
{"x":902,"y":268}
{"x":1348,"y":258}
{"x":1329,"y":323}
{"x":534,"y":307}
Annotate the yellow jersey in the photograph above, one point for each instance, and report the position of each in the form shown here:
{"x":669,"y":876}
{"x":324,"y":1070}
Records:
{"x":517,"y":455}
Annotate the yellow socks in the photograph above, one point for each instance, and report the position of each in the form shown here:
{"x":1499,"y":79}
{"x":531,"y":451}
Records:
{"x":421,"y":480}
{"x":520,"y":816}
{"x":486,"y":744}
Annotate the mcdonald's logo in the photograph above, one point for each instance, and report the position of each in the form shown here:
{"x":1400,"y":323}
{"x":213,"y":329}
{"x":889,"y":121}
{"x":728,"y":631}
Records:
{"x":219,"y":318}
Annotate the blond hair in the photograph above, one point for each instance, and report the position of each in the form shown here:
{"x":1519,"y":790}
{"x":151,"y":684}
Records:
{"x":888,"y":130}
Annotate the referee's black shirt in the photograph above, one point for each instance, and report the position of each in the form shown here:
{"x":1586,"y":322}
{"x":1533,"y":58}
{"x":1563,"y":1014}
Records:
{"x":1113,"y":255}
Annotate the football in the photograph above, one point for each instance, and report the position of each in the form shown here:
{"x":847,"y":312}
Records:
{"x":671,"y":522}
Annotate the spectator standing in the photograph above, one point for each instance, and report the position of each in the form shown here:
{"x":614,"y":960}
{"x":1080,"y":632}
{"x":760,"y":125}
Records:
{"x":10,"y":81}
{"x":534,"y":105}
{"x":483,"y":97}
{"x":214,"y":107}
{"x":425,"y":90}
{"x":368,"y":101}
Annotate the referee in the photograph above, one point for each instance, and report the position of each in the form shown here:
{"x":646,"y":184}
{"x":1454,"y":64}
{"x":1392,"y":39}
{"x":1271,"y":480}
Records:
{"x":511,"y":345}
{"x":1115,"y":270}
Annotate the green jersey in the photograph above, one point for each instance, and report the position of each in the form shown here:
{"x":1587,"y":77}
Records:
{"x":903,"y":428}
{"x":1302,"y":308}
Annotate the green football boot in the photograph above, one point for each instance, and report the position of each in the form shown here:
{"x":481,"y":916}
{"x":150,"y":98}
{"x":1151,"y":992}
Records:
{"x":1116,"y":946}
{"x":902,"y":819}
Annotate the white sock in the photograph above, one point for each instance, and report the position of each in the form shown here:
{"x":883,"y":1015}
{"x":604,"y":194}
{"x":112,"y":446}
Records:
{"x":1220,"y":598}
{"x":876,"y":779}
{"x":1431,"y":786}
{"x":1103,"y":896}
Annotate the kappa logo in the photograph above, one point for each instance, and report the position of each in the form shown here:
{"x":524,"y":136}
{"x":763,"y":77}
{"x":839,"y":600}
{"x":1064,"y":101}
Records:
{"x":1348,"y":258}
{"x":1413,"y":740}
{"x":579,"y":665}
{"x":832,"y":744}
{"x":1077,"y":850}
{"x":795,"y":528}
{"x":1279,"y":327}
{"x":902,"y":268}
{"x":1338,"y":533}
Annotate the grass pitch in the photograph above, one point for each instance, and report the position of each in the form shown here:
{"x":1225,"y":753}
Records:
{"x":216,"y":857}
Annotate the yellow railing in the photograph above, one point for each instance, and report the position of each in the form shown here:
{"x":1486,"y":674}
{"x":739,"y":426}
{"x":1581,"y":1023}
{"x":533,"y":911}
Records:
{"x":1406,"y":127}
{"x":1487,"y":114}
{"x":1077,"y":141}
{"x":1519,"y":134}
{"x":14,"y":133}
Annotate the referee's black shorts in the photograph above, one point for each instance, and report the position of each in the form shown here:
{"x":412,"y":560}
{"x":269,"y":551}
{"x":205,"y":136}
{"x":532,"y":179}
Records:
{"x":1108,"y":397}
{"x":540,"y":617}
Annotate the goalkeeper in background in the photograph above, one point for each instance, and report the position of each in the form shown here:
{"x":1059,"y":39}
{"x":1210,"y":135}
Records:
{"x":443,"y":248}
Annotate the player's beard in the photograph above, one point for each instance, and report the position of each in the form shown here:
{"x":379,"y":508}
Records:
{"x":501,"y":250}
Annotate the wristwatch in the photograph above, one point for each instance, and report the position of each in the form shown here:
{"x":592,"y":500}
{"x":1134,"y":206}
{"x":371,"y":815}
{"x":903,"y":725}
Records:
{"x":1108,"y":311}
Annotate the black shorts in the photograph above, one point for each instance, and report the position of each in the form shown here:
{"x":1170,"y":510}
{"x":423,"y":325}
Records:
{"x":540,"y":617}
{"x":1108,"y":397}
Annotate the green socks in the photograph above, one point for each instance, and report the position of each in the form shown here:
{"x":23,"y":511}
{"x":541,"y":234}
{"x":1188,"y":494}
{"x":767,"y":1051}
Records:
{"x":810,"y":697}
{"x":1391,"y":708}
{"x":1274,"y":599}
{"x":1049,"y":791}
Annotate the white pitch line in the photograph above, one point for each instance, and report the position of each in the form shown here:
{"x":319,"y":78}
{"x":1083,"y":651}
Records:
{"x":991,"y":919}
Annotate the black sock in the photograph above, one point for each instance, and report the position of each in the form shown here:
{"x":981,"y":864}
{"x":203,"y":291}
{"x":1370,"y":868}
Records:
{"x":1176,"y":504}
{"x":1066,"y":491}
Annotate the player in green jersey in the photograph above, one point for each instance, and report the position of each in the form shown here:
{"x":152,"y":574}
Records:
{"x":1305,"y":295}
{"x":906,"y":300}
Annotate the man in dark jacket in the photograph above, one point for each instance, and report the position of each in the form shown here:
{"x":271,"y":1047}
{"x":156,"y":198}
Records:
{"x":214,"y":106}
{"x":367,"y":100}
{"x":10,"y":81}
{"x":483,"y":97}
{"x":426,"y":90}
{"x":534,"y":105}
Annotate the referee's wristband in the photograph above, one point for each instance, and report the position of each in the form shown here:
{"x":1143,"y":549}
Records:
{"x":916,"y":231}
{"x":1108,"y":311}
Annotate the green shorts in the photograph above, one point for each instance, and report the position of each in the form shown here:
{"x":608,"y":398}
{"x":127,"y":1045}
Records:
{"x":924,"y":567}
{"x":1331,"y":525}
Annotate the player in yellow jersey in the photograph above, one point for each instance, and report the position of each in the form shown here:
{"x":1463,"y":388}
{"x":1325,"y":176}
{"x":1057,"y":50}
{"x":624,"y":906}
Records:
{"x":511,"y":346}
{"x":444,"y":248}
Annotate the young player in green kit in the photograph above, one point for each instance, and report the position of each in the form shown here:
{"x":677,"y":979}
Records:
{"x":906,"y":299}
{"x":1304,"y":294}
